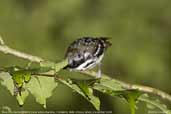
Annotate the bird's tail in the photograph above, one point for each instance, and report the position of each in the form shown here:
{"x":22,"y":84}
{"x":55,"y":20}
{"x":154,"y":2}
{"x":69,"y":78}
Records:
{"x":106,"y":41}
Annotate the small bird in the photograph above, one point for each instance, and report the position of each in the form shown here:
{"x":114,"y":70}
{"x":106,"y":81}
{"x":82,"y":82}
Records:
{"x":87,"y":52}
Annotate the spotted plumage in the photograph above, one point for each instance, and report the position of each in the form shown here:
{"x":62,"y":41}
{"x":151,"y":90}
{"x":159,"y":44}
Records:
{"x":85,"y":53}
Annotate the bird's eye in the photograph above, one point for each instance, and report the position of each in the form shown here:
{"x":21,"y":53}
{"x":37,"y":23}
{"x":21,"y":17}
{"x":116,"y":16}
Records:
{"x":79,"y":55}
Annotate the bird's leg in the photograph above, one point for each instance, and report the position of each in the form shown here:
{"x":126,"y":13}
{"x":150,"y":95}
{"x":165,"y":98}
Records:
{"x":99,"y":72}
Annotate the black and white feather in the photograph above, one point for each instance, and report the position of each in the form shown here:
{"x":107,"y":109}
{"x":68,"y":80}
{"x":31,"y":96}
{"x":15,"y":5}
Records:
{"x":85,"y":53}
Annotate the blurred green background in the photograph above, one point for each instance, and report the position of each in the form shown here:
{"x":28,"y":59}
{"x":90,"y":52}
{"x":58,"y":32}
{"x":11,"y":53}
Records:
{"x":140,"y":52}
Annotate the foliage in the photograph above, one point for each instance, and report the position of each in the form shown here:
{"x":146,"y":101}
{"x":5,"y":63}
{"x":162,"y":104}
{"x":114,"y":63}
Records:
{"x":42,"y":87}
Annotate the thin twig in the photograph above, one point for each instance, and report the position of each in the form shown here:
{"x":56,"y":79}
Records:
{"x":5,"y":49}
{"x":145,"y":89}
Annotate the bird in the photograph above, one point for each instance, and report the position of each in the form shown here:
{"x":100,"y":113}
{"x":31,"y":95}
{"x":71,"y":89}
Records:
{"x":87,"y":52}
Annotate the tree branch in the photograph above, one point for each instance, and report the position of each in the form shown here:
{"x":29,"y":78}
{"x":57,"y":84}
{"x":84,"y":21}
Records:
{"x":128,"y":86}
{"x":7,"y":50}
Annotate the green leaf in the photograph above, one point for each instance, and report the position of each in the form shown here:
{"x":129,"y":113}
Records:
{"x":55,"y":66}
{"x":74,"y":75}
{"x":109,"y":84}
{"x":131,"y":96}
{"x":60,"y":65}
{"x":113,"y":88}
{"x":21,"y":98}
{"x":85,"y":91}
{"x":20,"y":77}
{"x":88,"y":93}
{"x":27,"y":76}
{"x":41,"y":88}
{"x":154,"y":102}
{"x":7,"y":81}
